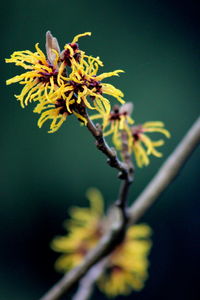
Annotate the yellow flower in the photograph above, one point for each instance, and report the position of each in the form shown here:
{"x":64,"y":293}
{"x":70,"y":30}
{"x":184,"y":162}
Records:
{"x":127,"y":265}
{"x":86,"y":85}
{"x":55,"y":111}
{"x":62,"y":82}
{"x":84,"y":230}
{"x":71,"y":53}
{"x":43,"y":79}
{"x":119,"y":124}
{"x":142,"y":145}
{"x":118,"y":121}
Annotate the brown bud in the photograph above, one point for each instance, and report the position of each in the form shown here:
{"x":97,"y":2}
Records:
{"x":51,"y":43}
{"x":126,"y":108}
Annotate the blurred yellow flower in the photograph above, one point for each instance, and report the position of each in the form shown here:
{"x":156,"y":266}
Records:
{"x":62,"y":82}
{"x":142,"y":145}
{"x":128,"y":263}
{"x":84,"y":228}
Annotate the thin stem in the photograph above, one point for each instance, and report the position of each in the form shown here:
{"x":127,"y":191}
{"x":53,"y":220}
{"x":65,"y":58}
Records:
{"x":113,"y":159}
{"x":122,"y":200}
{"x":126,"y":168}
{"x":123,"y":194}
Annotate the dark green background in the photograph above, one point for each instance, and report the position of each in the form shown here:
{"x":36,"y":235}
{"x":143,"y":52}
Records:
{"x":157,"y":44}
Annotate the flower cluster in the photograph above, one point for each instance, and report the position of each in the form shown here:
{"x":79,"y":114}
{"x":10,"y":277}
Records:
{"x":63,"y":83}
{"x":127,"y":265}
{"x":119,"y":124}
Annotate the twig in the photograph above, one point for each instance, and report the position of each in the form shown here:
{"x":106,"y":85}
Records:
{"x":165,"y":175}
{"x":126,"y":168}
{"x":125,"y":172}
{"x":128,"y":160}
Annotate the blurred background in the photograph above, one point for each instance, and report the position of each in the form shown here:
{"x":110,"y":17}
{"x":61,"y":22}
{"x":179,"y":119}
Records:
{"x":42,"y":175}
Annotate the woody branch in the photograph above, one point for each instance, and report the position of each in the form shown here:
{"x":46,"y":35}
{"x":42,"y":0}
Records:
{"x":107,"y":244}
{"x":126,"y":168}
{"x":157,"y":185}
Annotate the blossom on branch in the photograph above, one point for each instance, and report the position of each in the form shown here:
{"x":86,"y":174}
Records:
{"x":118,"y":120}
{"x":127,"y":264}
{"x":62,"y":83}
{"x":133,"y":138}
{"x":142,"y":145}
